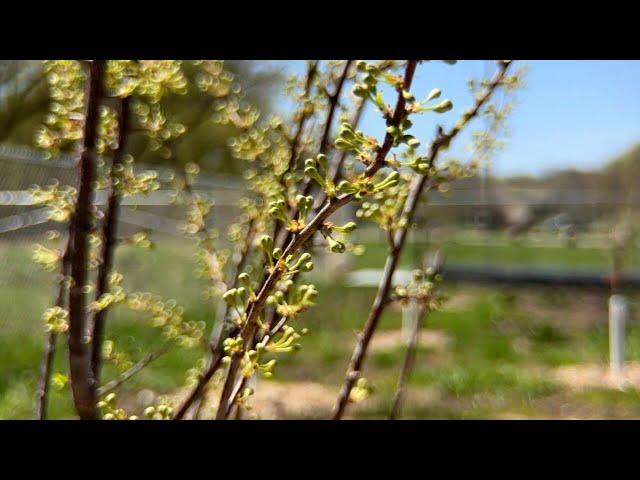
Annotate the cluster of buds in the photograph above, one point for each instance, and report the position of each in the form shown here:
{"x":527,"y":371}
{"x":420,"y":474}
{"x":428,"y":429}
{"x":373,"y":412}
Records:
{"x":237,"y":299}
{"x":241,"y":116}
{"x":233,"y":345}
{"x":114,"y":295}
{"x":127,"y":182}
{"x":161,"y":411}
{"x":152,"y":121}
{"x":56,"y":319}
{"x":251,"y":145}
{"x":46,"y":257}
{"x":329,"y":228}
{"x":59,"y":199}
{"x":119,"y":359}
{"x":65,"y":120}
{"x":194,"y":373}
{"x":385,"y":207}
{"x":242,"y":400}
{"x":363,"y":185}
{"x":110,"y":411}
{"x":59,"y":381}
{"x":285,"y":344}
{"x":139,"y":239}
{"x":400,"y":137}
{"x":421,"y":287}
{"x":355,"y":142}
{"x":368,"y":87}
{"x":107,"y":138}
{"x":290,"y":264}
{"x":158,"y":77}
{"x":95,"y":242}
{"x":318,"y":170}
{"x":251,"y":362}
{"x":418,"y":163}
{"x":299,"y":300}
{"x":213,"y":79}
{"x":122,"y":77}
{"x":197,"y":211}
{"x":278,"y":211}
{"x":423,"y":106}
{"x":167,"y":315}
{"x":191,"y":172}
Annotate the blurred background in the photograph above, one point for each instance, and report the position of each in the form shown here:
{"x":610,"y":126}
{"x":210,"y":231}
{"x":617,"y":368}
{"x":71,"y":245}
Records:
{"x":534,"y":246}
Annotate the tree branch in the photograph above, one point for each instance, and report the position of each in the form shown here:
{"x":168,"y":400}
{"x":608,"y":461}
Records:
{"x":49,"y":351}
{"x":255,"y":308}
{"x":215,"y":345}
{"x":82,"y":382}
{"x":312,"y":70}
{"x":124,"y":376}
{"x":109,"y":239}
{"x":417,"y":185}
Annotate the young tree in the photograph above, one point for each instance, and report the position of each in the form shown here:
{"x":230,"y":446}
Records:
{"x":258,"y":283}
{"x":396,"y":218}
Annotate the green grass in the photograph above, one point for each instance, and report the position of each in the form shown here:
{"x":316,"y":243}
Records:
{"x":498,"y":360}
{"x":524,"y":255}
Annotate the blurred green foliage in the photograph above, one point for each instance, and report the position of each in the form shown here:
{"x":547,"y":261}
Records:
{"x":24,"y":102}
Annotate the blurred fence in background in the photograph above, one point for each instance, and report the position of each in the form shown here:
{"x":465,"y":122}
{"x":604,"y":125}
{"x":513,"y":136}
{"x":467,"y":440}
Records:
{"x":477,"y":215}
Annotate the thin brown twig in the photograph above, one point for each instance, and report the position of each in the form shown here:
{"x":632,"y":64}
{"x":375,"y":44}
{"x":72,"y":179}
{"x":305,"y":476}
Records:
{"x":304,"y":116}
{"x":216,"y":354}
{"x":312,"y":71}
{"x":49,"y":351}
{"x":334,"y":102}
{"x":109,"y":238}
{"x":215,"y":343}
{"x":255,"y":307}
{"x":137,"y":367}
{"x":417,"y":185}
{"x":335,"y":167}
{"x":243,"y":381}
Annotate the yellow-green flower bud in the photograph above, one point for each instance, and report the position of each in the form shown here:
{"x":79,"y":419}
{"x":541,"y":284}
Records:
{"x":443,"y":106}
{"x":435,"y":93}
{"x":335,"y":246}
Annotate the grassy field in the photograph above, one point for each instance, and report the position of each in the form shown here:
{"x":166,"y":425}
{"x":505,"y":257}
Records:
{"x":489,"y":353}
{"x":507,"y":254}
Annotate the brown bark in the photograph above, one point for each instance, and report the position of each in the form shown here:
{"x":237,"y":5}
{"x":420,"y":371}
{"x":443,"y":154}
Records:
{"x":416,"y":188}
{"x":83,"y":384}
{"x":312,"y":71}
{"x":138,"y":366}
{"x":334,"y":101}
{"x":254,"y":309}
{"x":353,"y":371}
{"x":49,"y":351}
{"x":215,"y":343}
{"x":109,"y":240}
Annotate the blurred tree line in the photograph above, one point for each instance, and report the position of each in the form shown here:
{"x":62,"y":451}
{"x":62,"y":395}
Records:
{"x":518,"y":203}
